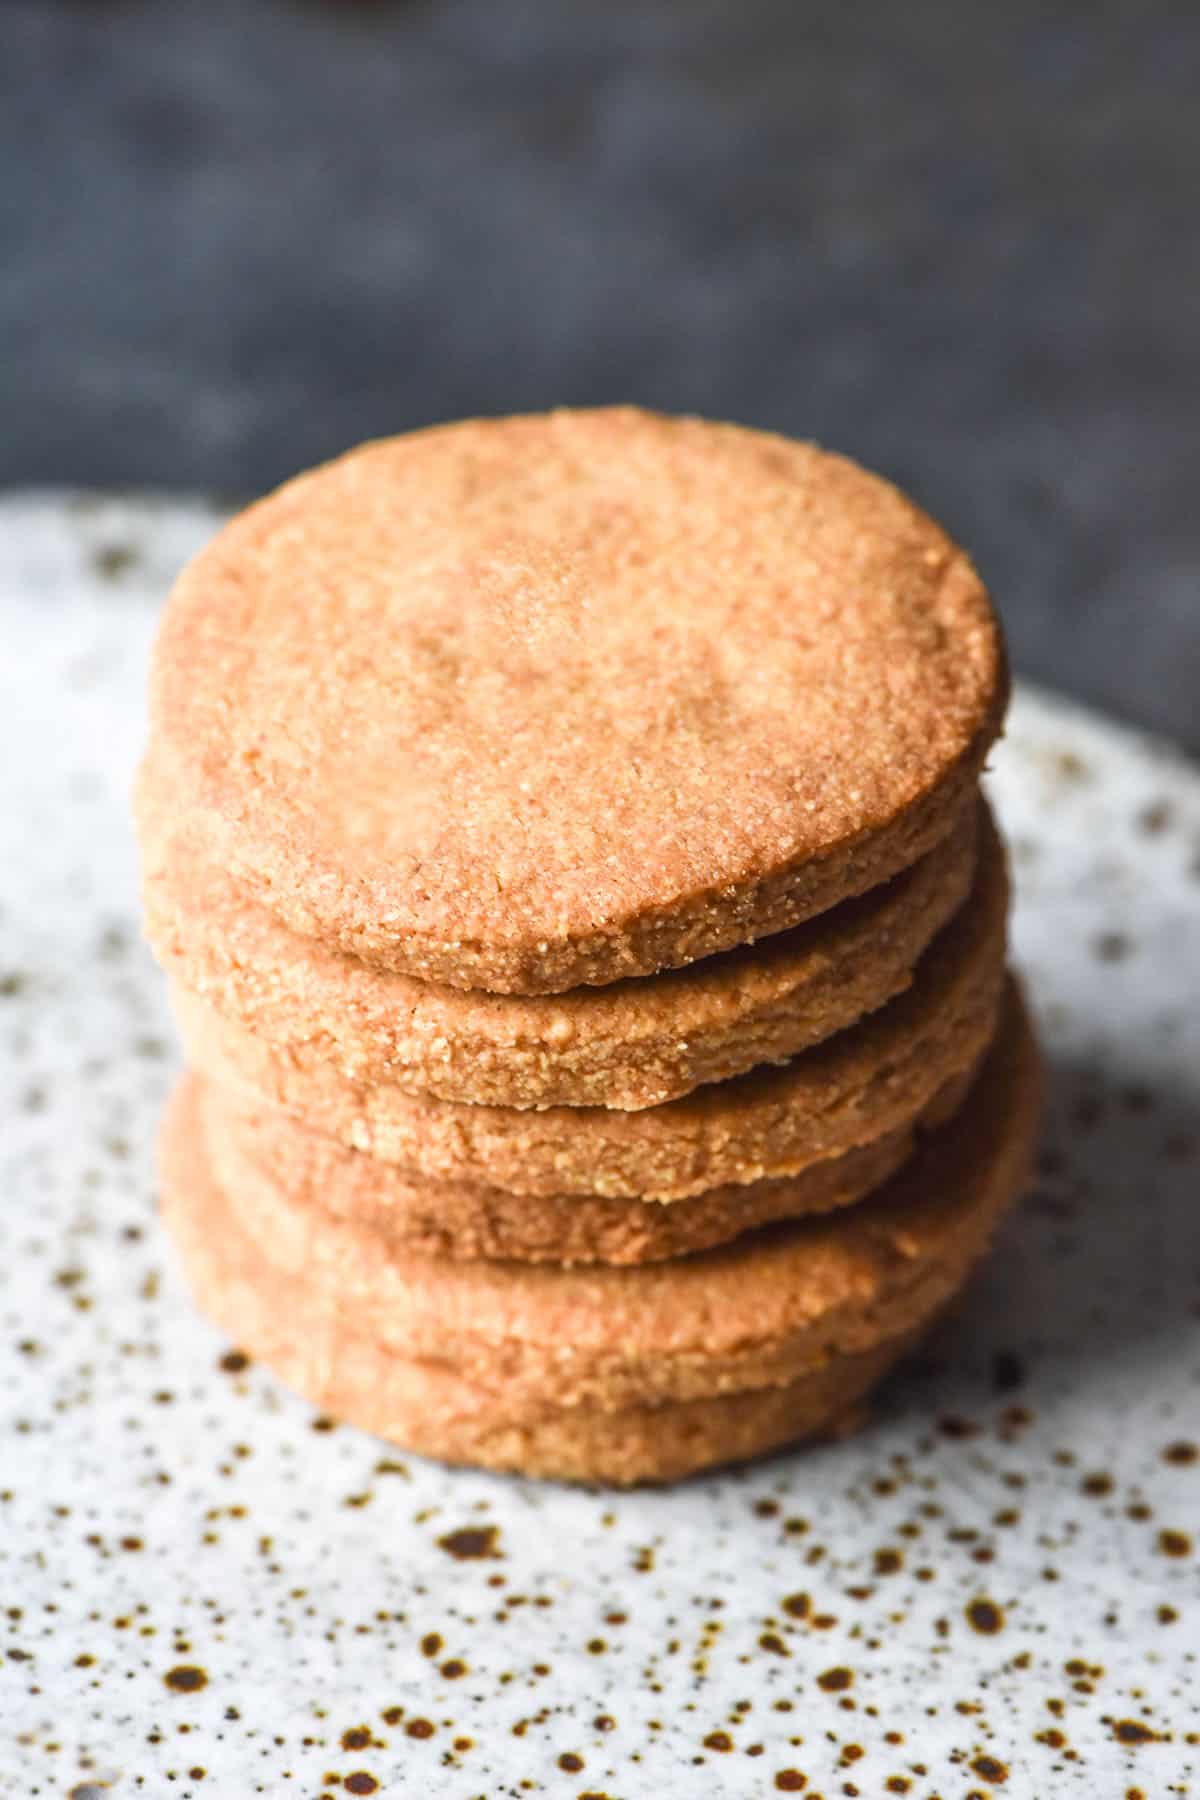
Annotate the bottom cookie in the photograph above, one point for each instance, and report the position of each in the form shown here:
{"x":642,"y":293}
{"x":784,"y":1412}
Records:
{"x":431,"y":1411}
{"x":619,"y":1375}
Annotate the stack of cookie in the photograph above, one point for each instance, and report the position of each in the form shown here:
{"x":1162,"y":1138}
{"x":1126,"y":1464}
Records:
{"x":563,"y":835}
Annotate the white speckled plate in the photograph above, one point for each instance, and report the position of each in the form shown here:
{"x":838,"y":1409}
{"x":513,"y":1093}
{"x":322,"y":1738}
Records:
{"x":205,"y":1590}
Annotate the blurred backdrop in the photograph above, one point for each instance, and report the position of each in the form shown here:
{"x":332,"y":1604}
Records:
{"x":960,"y":242}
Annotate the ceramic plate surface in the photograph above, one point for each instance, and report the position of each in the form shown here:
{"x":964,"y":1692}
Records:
{"x":206,"y":1590}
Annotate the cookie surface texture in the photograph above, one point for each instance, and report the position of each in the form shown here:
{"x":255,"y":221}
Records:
{"x":528,"y":703}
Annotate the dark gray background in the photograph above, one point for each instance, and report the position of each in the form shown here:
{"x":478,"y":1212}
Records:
{"x":960,"y":241}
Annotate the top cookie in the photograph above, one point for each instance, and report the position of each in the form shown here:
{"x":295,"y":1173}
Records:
{"x":526,"y":703}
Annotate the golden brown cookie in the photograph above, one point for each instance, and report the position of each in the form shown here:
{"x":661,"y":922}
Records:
{"x":426,"y":1408}
{"x":261,"y":1153}
{"x":528,"y":703}
{"x":866,"y":1082}
{"x":631,"y":1044}
{"x":520,"y":1343}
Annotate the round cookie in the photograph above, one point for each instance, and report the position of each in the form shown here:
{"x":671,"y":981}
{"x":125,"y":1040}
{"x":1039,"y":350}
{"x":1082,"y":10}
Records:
{"x":432,"y":1412}
{"x":629,"y":1045}
{"x":528,"y":703}
{"x":860,"y":1085}
{"x":526,"y":1366}
{"x":260,"y":1153}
